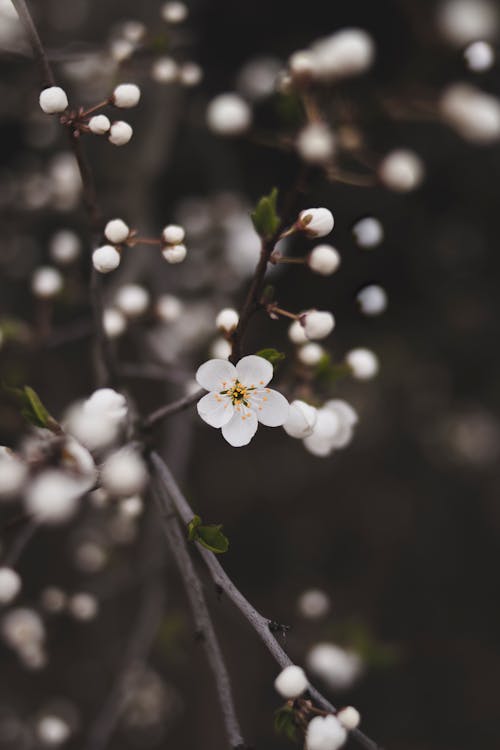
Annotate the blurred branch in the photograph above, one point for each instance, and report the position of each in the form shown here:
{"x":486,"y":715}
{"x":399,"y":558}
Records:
{"x":205,"y":629}
{"x":169,"y":492}
{"x":172,"y":408}
{"x":42,"y":61}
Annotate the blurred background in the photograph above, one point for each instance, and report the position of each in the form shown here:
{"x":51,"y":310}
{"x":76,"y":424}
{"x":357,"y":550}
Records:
{"x":400,"y":530}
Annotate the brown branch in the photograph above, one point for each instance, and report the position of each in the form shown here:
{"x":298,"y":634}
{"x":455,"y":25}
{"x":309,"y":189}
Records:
{"x":201,"y":615}
{"x":172,"y":408}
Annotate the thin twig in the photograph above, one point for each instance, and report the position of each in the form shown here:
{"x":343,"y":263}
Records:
{"x":260,"y":624}
{"x":205,"y":629}
{"x":172,"y":408}
{"x":20,"y":541}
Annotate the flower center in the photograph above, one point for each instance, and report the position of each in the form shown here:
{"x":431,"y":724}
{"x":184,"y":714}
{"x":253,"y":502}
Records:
{"x":238,"y":393}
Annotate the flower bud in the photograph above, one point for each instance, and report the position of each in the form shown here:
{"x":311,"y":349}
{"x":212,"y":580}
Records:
{"x":363,"y":363}
{"x":126,"y":95}
{"x":368,"y":232}
{"x":349,"y":718}
{"x":174,"y":12}
{"x":315,"y":143}
{"x":310,"y":354}
{"x":228,"y":114}
{"x":316,"y":222}
{"x":64,"y":247}
{"x":291,"y":682}
{"x":296,"y":333}
{"x":401,"y":170}
{"x":190,"y":74}
{"x":317,"y":324}
{"x":105,"y":258}
{"x":323,"y":259}
{"x":113,"y":322}
{"x":99,"y":124}
{"x":10,"y":585}
{"x":479,"y":56}
{"x":124,"y":474}
{"x":372,"y":300}
{"x":301,"y":419}
{"x":132,"y":300}
{"x":174,"y":253}
{"x":325,"y":733}
{"x":227,"y":320}
{"x":120,"y":133}
{"x":53,"y":100}
{"x":46,"y":282}
{"x":107,"y":403}
{"x":116,"y":231}
{"x":168,"y":308}
{"x":173,"y":234}
{"x":53,"y":495}
{"x":164,"y":70}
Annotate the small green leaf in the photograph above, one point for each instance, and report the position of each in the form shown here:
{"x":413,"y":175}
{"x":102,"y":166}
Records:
{"x":210,"y":536}
{"x":284,"y":723}
{"x":32,"y":408}
{"x":272,"y":355}
{"x":13,"y":329}
{"x":265,"y":218}
{"x":326,"y":370}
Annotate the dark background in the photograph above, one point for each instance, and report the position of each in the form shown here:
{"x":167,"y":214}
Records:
{"x":401,"y":529}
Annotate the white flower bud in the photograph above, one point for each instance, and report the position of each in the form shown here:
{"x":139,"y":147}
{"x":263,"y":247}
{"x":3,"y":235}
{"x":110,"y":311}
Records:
{"x":336,"y":666}
{"x":174,"y":12}
{"x":363,"y":363}
{"x":325,"y":733}
{"x":296,"y":333}
{"x":474,"y":114}
{"x":346,"y":421}
{"x":126,"y":95}
{"x":228,"y":114}
{"x":83,"y":606}
{"x":368,"y":232}
{"x":134,"y":31}
{"x":173,"y":234}
{"x":190,"y":74}
{"x":22,"y":627}
{"x":131,"y":507}
{"x":53,"y":496}
{"x":116,"y":231}
{"x":120,"y":133}
{"x":301,"y":419}
{"x":77,"y":459}
{"x":221,"y":349}
{"x":479,"y":56}
{"x":65,"y":246}
{"x":317,"y":324}
{"x":52,"y":731}
{"x":13,"y":473}
{"x":121,"y":49}
{"x":302,"y":64}
{"x":106,"y":258}
{"x":315,"y":143}
{"x":349,"y":718}
{"x":10,"y":585}
{"x":464,"y":21}
{"x":99,"y":124}
{"x":316,"y":222}
{"x":124,"y":474}
{"x":89,"y":428}
{"x":107,"y":403}
{"x":113,"y":322}
{"x":310,"y":354}
{"x":46,"y":282}
{"x":132,"y":300}
{"x":372,"y":300}
{"x":401,"y":170}
{"x":313,"y":604}
{"x":174,"y":253}
{"x":168,"y":308}
{"x":227,"y":320}
{"x":324,"y":259}
{"x":53,"y":100}
{"x":164,"y":70}
{"x":347,"y":52}
{"x":291,"y":682}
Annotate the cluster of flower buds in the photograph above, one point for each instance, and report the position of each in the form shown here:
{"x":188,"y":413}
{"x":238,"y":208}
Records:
{"x":322,"y":430}
{"x":53,"y":100}
{"x":107,"y":257}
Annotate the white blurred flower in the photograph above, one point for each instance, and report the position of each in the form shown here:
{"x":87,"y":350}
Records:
{"x":168,"y":308}
{"x":316,"y":143}
{"x":313,"y":604}
{"x":337,"y":667}
{"x":238,"y":398}
{"x":363,"y":363}
{"x":174,"y":11}
{"x":316,"y":222}
{"x":310,"y":354}
{"x":46,"y":282}
{"x":317,"y":324}
{"x":22,"y":627}
{"x":53,"y":100}
{"x":52,"y":731}
{"x":402,"y":170}
{"x":324,"y":259}
{"x":345,"y":53}
{"x":227,"y":320}
{"x":291,"y":682}
{"x":106,"y":403}
{"x":228,"y":114}
{"x":114,"y":322}
{"x":52,"y":496}
{"x":372,"y":300}
{"x":464,"y":21}
{"x":164,"y":70}
{"x":83,"y":606}
{"x":220,"y":349}
{"x":333,"y":429}
{"x":368,"y":232}
{"x":257,"y":79}
{"x":349,"y":718}
{"x":10,"y":585}
{"x":64,"y":246}
{"x":190,"y":74}
{"x":13,"y":473}
{"x":132,"y":300}
{"x":126,"y":95}
{"x":325,"y":733}
{"x":296,"y":333}
{"x":124,"y":473}
{"x":301,"y":419}
{"x":479,"y":56}
{"x":474,"y":114}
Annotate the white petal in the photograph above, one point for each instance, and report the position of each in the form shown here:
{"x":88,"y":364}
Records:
{"x":270,"y":407}
{"x":254,"y":371}
{"x":318,"y":446}
{"x":214,"y":409}
{"x":241,"y":428}
{"x":213,"y":374}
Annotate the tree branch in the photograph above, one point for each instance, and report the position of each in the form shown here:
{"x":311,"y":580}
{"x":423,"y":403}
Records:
{"x":172,"y":408}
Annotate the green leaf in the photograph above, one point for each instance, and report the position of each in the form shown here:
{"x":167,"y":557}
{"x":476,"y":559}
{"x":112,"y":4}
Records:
{"x":326,"y":370}
{"x":265,"y":218}
{"x":14,"y":330}
{"x":272,"y":355}
{"x":284,"y":723}
{"x":33,"y":410}
{"x":210,"y":536}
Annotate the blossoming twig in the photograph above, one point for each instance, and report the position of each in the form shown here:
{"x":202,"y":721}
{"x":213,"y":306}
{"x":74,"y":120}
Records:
{"x":172,"y":408}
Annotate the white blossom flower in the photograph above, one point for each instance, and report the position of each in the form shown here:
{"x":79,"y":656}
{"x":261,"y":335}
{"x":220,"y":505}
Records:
{"x":90,"y":428}
{"x":296,"y":333}
{"x":83,"y":606}
{"x":479,"y":56}
{"x":53,"y":100}
{"x":473,"y":113}
{"x":238,"y":398}
{"x":52,"y":731}
{"x":372,"y":300}
{"x":173,"y":234}
{"x":107,"y":404}
{"x":345,"y":53}
{"x":302,"y":64}
{"x":174,"y":253}
{"x":464,"y":21}
{"x":131,"y":507}
{"x":126,"y":95}
{"x":257,"y":79}
{"x":120,"y":133}
{"x":221,"y":349}
{"x":324,"y":259}
{"x":228,"y":114}
{"x":313,"y":604}
{"x":99,"y":124}
{"x":291,"y":682}
{"x":169,"y":308}
{"x":46,"y":282}
{"x":310,"y":354}
{"x":190,"y":74}
{"x":13,"y":473}
{"x":53,"y":496}
{"x":301,"y":419}
{"x":402,"y":170}
{"x":124,"y":473}
{"x":368,"y":232}
{"x":338,"y":667}
{"x":76,"y":458}
{"x":22,"y":627}
{"x":116,"y":231}
{"x":363,"y":363}
{"x":316,"y":143}
{"x":164,"y":70}
{"x":10,"y":585}
{"x":349,"y":718}
{"x":227,"y":320}
{"x":318,"y":324}
{"x":174,"y":11}
{"x":114,"y":322}
{"x":106,"y":258}
{"x":132,"y":300}
{"x":316,"y":222}
{"x":325,"y":733}
{"x":333,"y":429}
{"x":64,"y":246}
